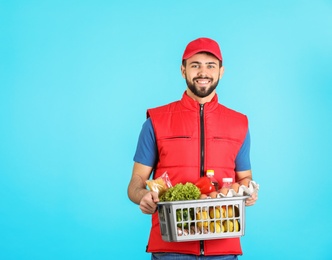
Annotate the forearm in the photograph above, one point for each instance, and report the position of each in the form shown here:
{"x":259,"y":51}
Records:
{"x":136,"y":189}
{"x":243,"y":177}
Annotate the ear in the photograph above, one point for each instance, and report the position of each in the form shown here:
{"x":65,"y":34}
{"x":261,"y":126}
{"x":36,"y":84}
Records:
{"x":183,"y":71}
{"x":221,"y":72}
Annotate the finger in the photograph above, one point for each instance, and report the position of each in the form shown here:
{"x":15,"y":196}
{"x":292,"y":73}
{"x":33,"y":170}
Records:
{"x":250,"y":202}
{"x":155,"y":197}
{"x":148,"y":208}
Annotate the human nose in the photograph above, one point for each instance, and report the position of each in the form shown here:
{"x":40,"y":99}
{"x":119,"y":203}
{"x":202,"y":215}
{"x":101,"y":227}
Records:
{"x":202,"y":72}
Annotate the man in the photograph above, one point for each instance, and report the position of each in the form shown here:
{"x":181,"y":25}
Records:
{"x":187,"y":137}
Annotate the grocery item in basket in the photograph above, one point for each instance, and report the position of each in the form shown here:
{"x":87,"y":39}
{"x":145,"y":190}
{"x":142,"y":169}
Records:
{"x":238,"y":190}
{"x":205,"y":185}
{"x":210,"y":174}
{"x":213,"y":194}
{"x":226,"y":185}
{"x":188,"y":191}
{"x":235,"y":186}
{"x":231,"y":225}
{"x":160,"y":185}
{"x":245,"y":182}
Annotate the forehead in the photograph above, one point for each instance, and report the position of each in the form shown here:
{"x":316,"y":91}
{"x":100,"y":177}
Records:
{"x":203,"y":58}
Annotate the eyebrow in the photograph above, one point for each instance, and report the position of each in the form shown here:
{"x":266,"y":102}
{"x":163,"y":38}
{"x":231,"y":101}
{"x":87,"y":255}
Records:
{"x":197,"y":62}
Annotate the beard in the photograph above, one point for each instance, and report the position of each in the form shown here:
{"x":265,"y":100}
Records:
{"x":201,"y":92}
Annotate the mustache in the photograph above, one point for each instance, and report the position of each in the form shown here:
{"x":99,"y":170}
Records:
{"x":202,"y":78}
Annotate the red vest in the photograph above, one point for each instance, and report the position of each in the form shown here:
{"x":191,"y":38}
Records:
{"x":192,"y":138}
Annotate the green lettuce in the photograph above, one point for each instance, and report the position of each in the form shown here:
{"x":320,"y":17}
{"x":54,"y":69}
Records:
{"x":188,"y":191}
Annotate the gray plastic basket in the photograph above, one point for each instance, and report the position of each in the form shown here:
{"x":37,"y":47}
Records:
{"x":202,"y":219}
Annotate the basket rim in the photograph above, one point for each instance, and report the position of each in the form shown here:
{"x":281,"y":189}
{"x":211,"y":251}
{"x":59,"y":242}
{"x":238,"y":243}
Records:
{"x":208,"y":200}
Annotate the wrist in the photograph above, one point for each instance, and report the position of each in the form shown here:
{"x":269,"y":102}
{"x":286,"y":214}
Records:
{"x":141,"y":194}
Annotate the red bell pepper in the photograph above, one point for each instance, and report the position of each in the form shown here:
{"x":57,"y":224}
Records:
{"x":205,"y":185}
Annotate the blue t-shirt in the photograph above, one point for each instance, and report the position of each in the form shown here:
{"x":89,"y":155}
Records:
{"x":147,"y":153}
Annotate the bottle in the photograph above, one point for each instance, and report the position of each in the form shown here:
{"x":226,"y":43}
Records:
{"x":210,"y":174}
{"x":227,"y":182}
{"x":226,"y":185}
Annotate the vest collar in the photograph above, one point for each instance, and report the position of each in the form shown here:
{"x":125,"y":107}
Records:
{"x":192,"y":104}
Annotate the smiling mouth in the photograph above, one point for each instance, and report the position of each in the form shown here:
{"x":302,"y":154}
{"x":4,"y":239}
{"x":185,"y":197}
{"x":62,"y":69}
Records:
{"x":202,"y":81}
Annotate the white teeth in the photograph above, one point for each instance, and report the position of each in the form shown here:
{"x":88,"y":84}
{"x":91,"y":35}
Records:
{"x":203,"y":82}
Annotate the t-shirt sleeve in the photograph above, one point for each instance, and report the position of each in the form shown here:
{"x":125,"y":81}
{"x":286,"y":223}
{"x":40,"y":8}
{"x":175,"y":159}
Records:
{"x":242,"y":161}
{"x":146,"y":150}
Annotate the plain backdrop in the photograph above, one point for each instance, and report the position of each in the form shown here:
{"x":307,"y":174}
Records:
{"x":76,"y":78}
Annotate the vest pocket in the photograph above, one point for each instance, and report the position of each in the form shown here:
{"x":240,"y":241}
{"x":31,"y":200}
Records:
{"x":175,"y":137}
{"x":178,"y":150}
{"x":225,"y":139}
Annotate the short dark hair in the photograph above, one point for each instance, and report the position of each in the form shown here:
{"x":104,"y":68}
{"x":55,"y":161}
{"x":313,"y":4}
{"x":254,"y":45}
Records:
{"x":184,"y":62}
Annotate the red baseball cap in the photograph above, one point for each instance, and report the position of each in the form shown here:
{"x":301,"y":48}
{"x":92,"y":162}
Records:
{"x":201,"y":45}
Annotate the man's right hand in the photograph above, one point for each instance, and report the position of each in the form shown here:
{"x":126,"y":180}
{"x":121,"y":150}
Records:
{"x":148,"y":203}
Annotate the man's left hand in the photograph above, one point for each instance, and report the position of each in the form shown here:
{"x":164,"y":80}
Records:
{"x":252,"y":199}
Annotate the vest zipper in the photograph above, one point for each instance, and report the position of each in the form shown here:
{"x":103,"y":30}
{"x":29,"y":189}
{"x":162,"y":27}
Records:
{"x":201,"y":119}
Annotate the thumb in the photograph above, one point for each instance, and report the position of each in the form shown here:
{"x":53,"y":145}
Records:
{"x":155,"y":197}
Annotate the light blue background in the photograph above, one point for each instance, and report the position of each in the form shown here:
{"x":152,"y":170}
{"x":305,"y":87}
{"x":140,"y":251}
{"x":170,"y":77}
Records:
{"x":76,"y":78}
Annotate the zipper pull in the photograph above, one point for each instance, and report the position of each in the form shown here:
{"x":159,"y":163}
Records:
{"x":202,"y":247}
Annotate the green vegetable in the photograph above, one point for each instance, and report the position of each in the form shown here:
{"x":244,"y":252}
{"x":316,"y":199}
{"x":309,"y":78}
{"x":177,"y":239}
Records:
{"x":188,"y":191}
{"x":182,"y":214}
